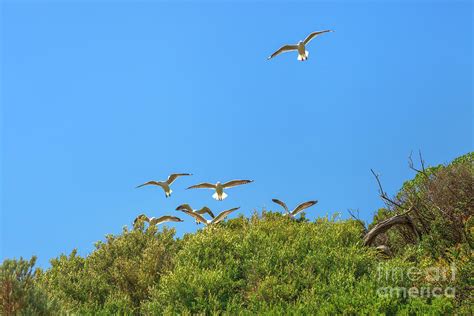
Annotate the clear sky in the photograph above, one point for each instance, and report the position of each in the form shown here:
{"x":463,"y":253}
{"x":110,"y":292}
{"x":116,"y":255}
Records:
{"x":100,"y":97}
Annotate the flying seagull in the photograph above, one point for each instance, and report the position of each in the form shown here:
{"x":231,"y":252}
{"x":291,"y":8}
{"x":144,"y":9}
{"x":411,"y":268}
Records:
{"x":297,"y":210}
{"x":300,"y":47}
{"x":213,"y":221}
{"x":165,"y":185}
{"x":202,"y":211}
{"x":219,"y":187}
{"x":157,"y":220}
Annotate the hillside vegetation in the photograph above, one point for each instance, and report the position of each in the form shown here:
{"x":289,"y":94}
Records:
{"x":270,"y":264}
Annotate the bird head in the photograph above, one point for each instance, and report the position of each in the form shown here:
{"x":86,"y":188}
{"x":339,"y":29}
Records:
{"x":300,"y":42}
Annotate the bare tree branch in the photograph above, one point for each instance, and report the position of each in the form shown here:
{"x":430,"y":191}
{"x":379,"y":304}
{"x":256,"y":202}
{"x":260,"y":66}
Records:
{"x":411,"y":165}
{"x":357,"y":219}
{"x":382,"y":193}
{"x":421,"y":161}
{"x":383,"y":226}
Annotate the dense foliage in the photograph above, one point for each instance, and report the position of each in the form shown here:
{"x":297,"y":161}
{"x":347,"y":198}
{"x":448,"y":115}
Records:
{"x":20,"y":292}
{"x":270,"y":264}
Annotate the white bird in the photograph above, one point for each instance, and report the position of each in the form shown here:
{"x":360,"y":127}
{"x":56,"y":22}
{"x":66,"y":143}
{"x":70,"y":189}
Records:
{"x":165,"y":185}
{"x":219,"y":187}
{"x":297,"y":210}
{"x":202,"y":211}
{"x":157,"y":220}
{"x":300,"y":47}
{"x":213,"y":221}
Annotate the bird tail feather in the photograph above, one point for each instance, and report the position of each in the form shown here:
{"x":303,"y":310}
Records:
{"x":303,"y":57}
{"x":219,"y":198}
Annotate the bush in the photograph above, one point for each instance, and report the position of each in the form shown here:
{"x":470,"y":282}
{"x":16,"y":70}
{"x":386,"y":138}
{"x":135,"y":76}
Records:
{"x":19,"y":293}
{"x":273,"y":265}
{"x":117,"y":276}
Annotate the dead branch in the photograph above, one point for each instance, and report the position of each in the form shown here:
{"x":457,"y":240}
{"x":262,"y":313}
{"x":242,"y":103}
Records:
{"x":357,"y":219}
{"x":422,"y":161}
{"x":411,"y":164}
{"x":383,"y":226}
{"x":383,"y":194}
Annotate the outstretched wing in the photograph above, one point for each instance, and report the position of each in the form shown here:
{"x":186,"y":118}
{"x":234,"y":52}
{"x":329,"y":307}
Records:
{"x":150,"y":183}
{"x":282,"y":204}
{"x":142,"y":217}
{"x":174,"y":176}
{"x":223,"y":215}
{"x":203,"y":185}
{"x":196,"y":216}
{"x":314,"y":34}
{"x":186,"y":207}
{"x":284,"y":49}
{"x":205,"y":210}
{"x":235,"y":183}
{"x":303,"y":206}
{"x":164,"y":219}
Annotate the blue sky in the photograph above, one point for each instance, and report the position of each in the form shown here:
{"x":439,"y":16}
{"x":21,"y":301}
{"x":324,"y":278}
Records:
{"x":99,"y":97}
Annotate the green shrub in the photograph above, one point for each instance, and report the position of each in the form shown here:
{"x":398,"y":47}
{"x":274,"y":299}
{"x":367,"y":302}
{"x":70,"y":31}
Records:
{"x":117,"y":276}
{"x":19,"y":292}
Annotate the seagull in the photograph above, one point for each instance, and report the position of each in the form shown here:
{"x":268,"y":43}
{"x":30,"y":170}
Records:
{"x":202,"y":211}
{"x":219,"y":187}
{"x":213,"y":221}
{"x":166,"y":184}
{"x":297,"y":210}
{"x":157,"y":220}
{"x":300,"y":47}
